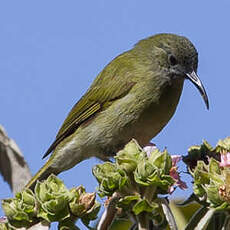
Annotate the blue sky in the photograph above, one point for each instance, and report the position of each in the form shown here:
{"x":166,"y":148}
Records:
{"x":50,"y":52}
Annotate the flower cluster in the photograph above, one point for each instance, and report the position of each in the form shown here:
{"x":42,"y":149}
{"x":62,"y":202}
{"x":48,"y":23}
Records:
{"x":139,"y":175}
{"x":51,"y":201}
{"x":21,"y":210}
{"x":212,"y":175}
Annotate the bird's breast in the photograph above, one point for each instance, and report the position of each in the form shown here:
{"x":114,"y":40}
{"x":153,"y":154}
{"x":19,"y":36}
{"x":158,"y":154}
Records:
{"x":157,"y":114}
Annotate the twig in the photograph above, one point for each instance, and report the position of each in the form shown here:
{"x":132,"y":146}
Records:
{"x":15,"y":170}
{"x":168,"y":214}
{"x":13,"y":167}
{"x":109,"y":213}
{"x":143,"y":221}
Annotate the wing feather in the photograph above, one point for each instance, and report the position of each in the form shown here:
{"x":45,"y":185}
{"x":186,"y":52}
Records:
{"x":112,"y":83}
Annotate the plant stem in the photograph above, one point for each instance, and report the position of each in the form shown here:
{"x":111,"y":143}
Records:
{"x":109,"y":213}
{"x":143,"y":221}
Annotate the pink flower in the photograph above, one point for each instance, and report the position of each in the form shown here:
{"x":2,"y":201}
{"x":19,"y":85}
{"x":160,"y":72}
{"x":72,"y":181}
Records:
{"x":149,"y":149}
{"x":225,"y":159}
{"x":175,"y":175}
{"x":3,"y":219}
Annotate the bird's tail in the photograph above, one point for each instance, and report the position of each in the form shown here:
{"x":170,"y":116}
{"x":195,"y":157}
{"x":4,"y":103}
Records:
{"x":42,"y":174}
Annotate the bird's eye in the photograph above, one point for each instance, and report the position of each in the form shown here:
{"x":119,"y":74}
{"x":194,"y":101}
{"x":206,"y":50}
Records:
{"x":172,"y":60}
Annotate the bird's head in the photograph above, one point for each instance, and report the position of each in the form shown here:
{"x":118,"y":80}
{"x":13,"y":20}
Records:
{"x":176,"y":55}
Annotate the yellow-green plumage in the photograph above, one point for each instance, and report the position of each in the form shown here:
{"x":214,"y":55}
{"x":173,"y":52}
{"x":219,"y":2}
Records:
{"x":133,"y":97}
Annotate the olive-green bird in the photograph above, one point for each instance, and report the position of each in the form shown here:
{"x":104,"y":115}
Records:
{"x":134,"y":96}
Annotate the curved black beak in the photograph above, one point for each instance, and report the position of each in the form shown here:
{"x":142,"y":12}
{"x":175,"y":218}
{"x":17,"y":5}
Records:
{"x":197,"y":82}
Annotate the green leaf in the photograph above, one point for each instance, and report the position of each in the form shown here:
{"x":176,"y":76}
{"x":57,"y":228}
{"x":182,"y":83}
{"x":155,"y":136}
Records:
{"x":110,"y":178}
{"x":147,"y":174}
{"x":51,"y":217}
{"x":67,"y":224}
{"x":161,"y":160}
{"x":128,"y":158}
{"x":223,"y":145}
{"x":53,"y":198}
{"x":27,"y":197}
{"x":128,"y":199}
{"x":91,"y":214}
{"x":223,"y":207}
{"x":56,"y":204}
{"x":214,"y":167}
{"x":201,"y":175}
{"x":168,"y":214}
{"x":213,"y":195}
{"x":127,"y":202}
{"x":199,"y":190}
{"x":143,"y":171}
{"x":196,"y":218}
{"x":5,"y":226}
{"x":144,"y":206}
{"x":9,"y":207}
{"x":196,"y":153}
{"x":203,"y":223}
{"x":77,"y":209}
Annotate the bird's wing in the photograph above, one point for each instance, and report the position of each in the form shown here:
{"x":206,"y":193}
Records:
{"x":111,"y":84}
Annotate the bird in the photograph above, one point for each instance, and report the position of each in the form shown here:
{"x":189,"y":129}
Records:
{"x":134,"y":96}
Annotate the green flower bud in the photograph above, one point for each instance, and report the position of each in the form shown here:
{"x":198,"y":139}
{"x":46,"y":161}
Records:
{"x":128,"y":158}
{"x":155,"y":170}
{"x":144,"y":171}
{"x":212,"y":173}
{"x":162,"y":160}
{"x":212,"y":181}
{"x":223,"y":145}
{"x":21,"y":209}
{"x":110,"y":178}
{"x":53,"y":198}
